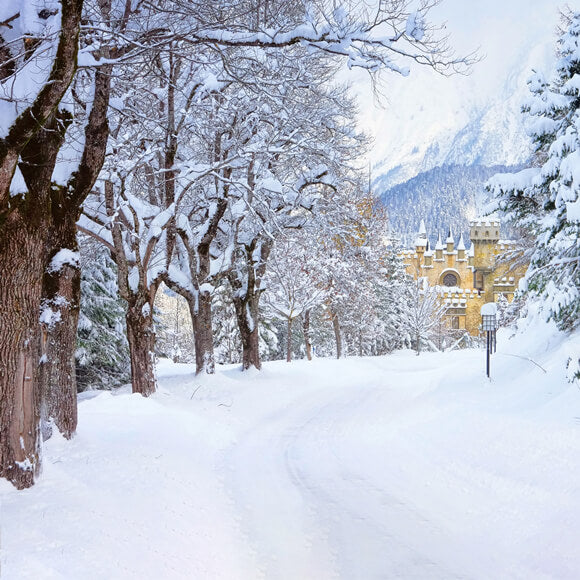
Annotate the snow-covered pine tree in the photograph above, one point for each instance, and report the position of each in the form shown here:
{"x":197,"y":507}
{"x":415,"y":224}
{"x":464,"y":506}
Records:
{"x":543,"y":200}
{"x":102,"y":351}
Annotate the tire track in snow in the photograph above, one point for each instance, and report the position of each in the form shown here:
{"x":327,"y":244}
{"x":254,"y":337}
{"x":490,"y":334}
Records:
{"x":373,"y":533}
{"x":309,"y":514}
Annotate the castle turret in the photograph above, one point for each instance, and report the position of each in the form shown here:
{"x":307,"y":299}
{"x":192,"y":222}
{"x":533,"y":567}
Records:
{"x":484,"y":236}
{"x":450,"y":242}
{"x":421,"y":241}
{"x":461,"y":249}
{"x":428,"y":255}
{"x":439,"y":249}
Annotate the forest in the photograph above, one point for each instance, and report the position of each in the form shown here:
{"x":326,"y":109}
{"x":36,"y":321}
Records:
{"x":208,"y":154}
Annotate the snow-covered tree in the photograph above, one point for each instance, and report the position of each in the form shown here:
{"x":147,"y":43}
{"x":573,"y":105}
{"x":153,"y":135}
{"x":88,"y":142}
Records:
{"x":135,"y":233}
{"x":423,"y":314}
{"x":293,"y":289}
{"x":38,"y":50}
{"x":38,"y":59}
{"x":544,"y":200}
{"x":102,"y":353}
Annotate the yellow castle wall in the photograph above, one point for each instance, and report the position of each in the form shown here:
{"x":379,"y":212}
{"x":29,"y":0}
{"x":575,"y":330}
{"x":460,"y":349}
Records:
{"x":498,"y":278}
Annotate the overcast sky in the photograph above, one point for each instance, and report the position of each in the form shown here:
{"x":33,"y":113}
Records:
{"x":510,"y":35}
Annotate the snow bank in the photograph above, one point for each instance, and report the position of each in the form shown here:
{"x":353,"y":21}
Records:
{"x":400,"y":466}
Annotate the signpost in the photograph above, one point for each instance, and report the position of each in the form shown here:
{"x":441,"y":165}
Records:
{"x":489,"y":326}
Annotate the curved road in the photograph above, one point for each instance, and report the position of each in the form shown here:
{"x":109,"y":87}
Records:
{"x":318,"y":496}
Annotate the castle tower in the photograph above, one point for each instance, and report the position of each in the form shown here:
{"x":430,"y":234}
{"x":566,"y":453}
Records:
{"x":484,"y":236}
{"x":421,"y":241}
{"x":450,"y":242}
{"x":428,"y":256}
{"x":461,"y":249}
{"x":439,"y":249}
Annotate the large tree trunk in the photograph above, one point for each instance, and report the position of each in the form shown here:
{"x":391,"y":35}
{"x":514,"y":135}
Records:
{"x":61,"y":294}
{"x":141,"y":338}
{"x":62,"y":286}
{"x":246,"y":299}
{"x":247,"y":318}
{"x":21,"y":269}
{"x":201,"y":318}
{"x":24,"y":240}
{"x":307,"y":337}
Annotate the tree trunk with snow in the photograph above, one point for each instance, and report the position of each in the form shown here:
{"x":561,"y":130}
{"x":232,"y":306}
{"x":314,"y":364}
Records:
{"x":141,"y":338}
{"x":337,"y":333}
{"x":21,"y":268}
{"x":246,"y":283}
{"x":61,"y":298}
{"x":61,"y":291}
{"x":307,"y":337}
{"x":247,"y":318}
{"x":201,"y":318}
{"x":289,"y":344}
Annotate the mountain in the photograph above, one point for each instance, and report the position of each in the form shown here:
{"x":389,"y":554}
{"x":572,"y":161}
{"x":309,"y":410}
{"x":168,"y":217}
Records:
{"x":442,"y":138}
{"x":444,"y":197}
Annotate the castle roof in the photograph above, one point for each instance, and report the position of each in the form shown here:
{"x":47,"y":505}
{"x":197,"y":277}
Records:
{"x":450,"y":239}
{"x":439,"y":245}
{"x":461,"y":244}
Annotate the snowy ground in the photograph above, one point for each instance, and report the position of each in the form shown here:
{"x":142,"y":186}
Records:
{"x":395,"y":467}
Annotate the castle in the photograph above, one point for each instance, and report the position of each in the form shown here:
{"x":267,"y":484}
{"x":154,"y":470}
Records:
{"x":465,"y":279}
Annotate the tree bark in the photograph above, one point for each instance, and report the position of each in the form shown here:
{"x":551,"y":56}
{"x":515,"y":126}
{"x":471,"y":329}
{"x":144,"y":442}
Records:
{"x":141,"y":338}
{"x":246,"y":308}
{"x":24,"y":222}
{"x":61,"y":293}
{"x":337,"y":334}
{"x":21,"y":268}
{"x":201,"y":318}
{"x":307,"y":337}
{"x":289,"y":344}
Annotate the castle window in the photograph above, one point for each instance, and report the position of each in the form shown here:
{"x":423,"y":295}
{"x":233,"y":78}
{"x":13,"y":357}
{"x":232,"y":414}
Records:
{"x":450,"y":279}
{"x":478,"y":280}
{"x":455,"y":323}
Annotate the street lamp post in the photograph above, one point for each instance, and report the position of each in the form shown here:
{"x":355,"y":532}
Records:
{"x":489,"y":326}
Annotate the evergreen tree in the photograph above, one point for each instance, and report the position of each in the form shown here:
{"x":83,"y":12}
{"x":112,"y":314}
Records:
{"x":543,"y":200}
{"x":102,"y":353}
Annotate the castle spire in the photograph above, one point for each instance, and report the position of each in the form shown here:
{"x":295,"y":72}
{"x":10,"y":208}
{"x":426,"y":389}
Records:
{"x":450,"y":242}
{"x":421,"y":240}
{"x":461,"y":248}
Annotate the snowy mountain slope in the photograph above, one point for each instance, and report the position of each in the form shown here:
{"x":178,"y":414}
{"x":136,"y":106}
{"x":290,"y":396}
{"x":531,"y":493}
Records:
{"x":437,"y":172}
{"x":428,"y":121}
{"x":444,"y":197}
{"x":400,"y":466}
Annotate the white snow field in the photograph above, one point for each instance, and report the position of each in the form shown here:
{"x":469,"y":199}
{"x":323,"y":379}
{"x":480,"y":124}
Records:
{"x":394,"y":467}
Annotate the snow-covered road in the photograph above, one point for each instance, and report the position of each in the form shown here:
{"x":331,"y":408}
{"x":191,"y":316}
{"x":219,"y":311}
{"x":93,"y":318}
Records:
{"x":313,"y":493}
{"x":396,"y":467}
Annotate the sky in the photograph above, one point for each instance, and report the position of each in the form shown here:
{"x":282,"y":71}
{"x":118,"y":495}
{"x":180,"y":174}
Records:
{"x":510,"y":35}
